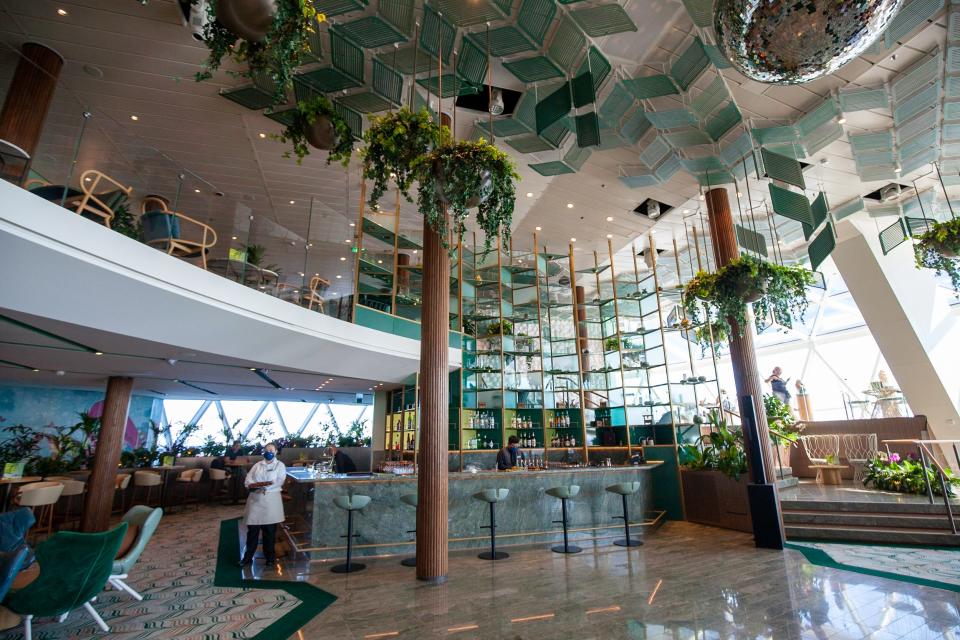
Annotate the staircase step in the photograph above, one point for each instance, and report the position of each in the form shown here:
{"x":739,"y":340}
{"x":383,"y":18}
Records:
{"x":865,"y":519}
{"x":842,"y":533}
{"x":868,"y":507}
{"x":787,"y":481}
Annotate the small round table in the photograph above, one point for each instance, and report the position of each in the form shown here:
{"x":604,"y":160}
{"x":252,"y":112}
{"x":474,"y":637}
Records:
{"x":829,"y":473}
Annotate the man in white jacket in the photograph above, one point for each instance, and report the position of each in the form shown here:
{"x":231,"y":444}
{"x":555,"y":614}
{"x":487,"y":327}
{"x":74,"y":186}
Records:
{"x":264,"y":505}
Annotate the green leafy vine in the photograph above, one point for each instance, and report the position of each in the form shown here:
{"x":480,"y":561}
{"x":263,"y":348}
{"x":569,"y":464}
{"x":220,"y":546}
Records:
{"x":938,"y":249}
{"x":307,"y":113}
{"x":395,"y":142}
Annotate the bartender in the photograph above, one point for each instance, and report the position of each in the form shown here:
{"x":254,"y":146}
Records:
{"x":342,"y":463}
{"x":510,"y":456}
{"x":264,"y":506}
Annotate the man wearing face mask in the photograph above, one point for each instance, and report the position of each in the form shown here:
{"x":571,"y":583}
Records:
{"x":510,"y":456}
{"x":264,"y":505}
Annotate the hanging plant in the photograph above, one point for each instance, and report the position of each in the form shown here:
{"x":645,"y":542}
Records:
{"x":500,"y":328}
{"x":938,"y":249}
{"x":269,"y":36}
{"x":463,"y":175}
{"x":702,"y":335}
{"x":317,"y":124}
{"x":395,"y":143}
{"x":773,"y":289}
{"x":611,"y":344}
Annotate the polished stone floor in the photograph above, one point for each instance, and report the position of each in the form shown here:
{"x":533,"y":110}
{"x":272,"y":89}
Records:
{"x":688,"y":581}
{"x":850,"y":492}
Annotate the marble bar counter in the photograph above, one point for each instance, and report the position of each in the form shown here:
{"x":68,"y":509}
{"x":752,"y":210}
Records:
{"x":525,"y":517}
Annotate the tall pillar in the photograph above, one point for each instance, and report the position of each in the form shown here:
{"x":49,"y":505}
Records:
{"x":28,"y":99}
{"x":911,"y":319}
{"x":434,"y":410}
{"x":746,"y":374}
{"x":103,"y":478}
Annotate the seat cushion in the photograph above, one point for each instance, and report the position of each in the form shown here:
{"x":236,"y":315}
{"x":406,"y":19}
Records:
{"x":624,"y":488}
{"x":564,"y":493}
{"x":492,"y":495}
{"x":351,"y":503}
{"x":160,"y":225}
{"x":129,"y":539}
{"x":409,"y":498}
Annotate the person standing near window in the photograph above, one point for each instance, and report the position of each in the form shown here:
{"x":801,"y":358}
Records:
{"x":779,"y":386}
{"x":264,"y":505}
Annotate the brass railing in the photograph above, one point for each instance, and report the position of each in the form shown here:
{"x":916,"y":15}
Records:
{"x":929,"y":459}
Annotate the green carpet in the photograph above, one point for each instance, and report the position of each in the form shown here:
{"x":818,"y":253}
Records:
{"x":312,"y":599}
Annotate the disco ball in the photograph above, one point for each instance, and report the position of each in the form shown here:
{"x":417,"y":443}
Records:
{"x":783,"y":42}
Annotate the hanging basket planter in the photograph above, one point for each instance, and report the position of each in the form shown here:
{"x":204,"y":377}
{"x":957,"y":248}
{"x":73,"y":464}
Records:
{"x":248,"y":19}
{"x":447,"y":196}
{"x":395,"y":144}
{"x":321,"y":133}
{"x":316,"y":124}
{"x":938,"y":249}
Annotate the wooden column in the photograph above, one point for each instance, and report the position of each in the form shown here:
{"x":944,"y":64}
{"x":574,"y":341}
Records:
{"x":28,"y":99}
{"x":103,"y":478}
{"x":434,"y":410}
{"x":746,"y":374}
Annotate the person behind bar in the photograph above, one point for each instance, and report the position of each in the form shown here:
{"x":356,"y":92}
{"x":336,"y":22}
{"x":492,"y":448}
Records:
{"x":510,"y":456}
{"x":342,"y":463}
{"x":264,"y":506}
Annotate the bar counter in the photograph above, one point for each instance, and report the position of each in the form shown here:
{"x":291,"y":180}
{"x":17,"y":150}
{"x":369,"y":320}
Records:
{"x":525,"y":517}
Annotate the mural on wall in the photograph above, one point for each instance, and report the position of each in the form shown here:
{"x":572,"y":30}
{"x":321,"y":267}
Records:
{"x":131,"y":436}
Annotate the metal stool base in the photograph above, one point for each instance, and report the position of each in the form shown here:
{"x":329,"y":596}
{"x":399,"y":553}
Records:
{"x":496,"y":555}
{"x":348,"y":568}
{"x":632,"y":542}
{"x":570,"y":548}
{"x":409,"y":562}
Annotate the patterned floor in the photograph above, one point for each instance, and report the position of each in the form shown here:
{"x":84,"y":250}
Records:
{"x":175,"y":576}
{"x":928,"y":566}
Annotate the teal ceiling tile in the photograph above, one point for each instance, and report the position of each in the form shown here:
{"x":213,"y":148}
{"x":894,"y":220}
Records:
{"x":371,"y":32}
{"x":535,"y":69}
{"x":650,"y":86}
{"x":603,"y":20}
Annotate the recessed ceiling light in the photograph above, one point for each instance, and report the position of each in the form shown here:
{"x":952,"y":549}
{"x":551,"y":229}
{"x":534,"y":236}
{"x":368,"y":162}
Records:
{"x":233,"y":237}
{"x":134,"y":118}
{"x":897,"y":169}
{"x":87,"y":179}
{"x":573,"y":239}
{"x":36,"y":370}
{"x":293,"y":202}
{"x":739,"y":195}
{"x":301,"y":274}
{"x":841,"y":120}
{"x":196,"y":190}
{"x":98,"y":353}
{"x":347,"y":241}
{"x":414,"y":252}
{"x":262,"y":134}
{"x":61,"y":12}
{"x":352,"y":224}
{"x":702,"y":197}
{"x":686,"y":210}
{"x":569,"y":205}
{"x":339,"y":276}
{"x":379,"y":261}
{"x":538,"y":228}
{"x":609,"y":235}
{"x":609,"y":218}
{"x":342,"y":259}
{"x":529,"y":194}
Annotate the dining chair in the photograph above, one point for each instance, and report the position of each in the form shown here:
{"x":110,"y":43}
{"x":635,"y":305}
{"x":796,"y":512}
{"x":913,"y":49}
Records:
{"x":167,"y":231}
{"x":40,"y":497}
{"x":314,"y":295}
{"x":71,"y":489}
{"x":95,"y":206}
{"x":189,"y":480}
{"x":146,"y":521}
{"x":120,"y":491}
{"x":859,"y":448}
{"x":146,"y":481}
{"x":822,"y":448}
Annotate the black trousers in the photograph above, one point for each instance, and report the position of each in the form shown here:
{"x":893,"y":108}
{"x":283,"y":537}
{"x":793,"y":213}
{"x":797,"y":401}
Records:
{"x":253,"y":539}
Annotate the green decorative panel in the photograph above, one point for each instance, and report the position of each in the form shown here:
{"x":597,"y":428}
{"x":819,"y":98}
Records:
{"x":635,"y":126}
{"x":701,"y":12}
{"x":503,"y":127}
{"x":303,"y":92}
{"x":465,"y":14}
{"x":535,"y":17}
{"x":472,"y":62}
{"x":370,"y":32}
{"x":710,"y":98}
{"x":437,"y":34}
{"x":689,"y":65}
{"x":346,"y":56}
{"x":655,"y":152}
{"x":284,"y":117}
{"x":820,"y":209}
{"x":555,"y":134}
{"x":399,"y":13}
{"x":687,"y":138}
{"x":821,"y":115}
{"x":603,"y":20}
{"x":782,"y":168}
{"x":596,"y":64}
{"x":404,"y":58}
{"x":751,"y":240}
{"x":863,"y":99}
{"x":338,"y":7}
{"x":871,"y":141}
{"x":504,"y":41}
{"x":588,"y":130}
{"x":734,"y":152}
{"x":726,"y":119}
{"x":775,"y":135}
{"x":387,"y":82}
{"x":611,"y":139}
{"x":671,"y":119}
{"x":554,"y":168}
{"x":699,"y":165}
{"x":567,"y":44}
{"x":531,"y":143}
{"x":667,"y":169}
{"x":553,"y":107}
{"x":353,"y":119}
{"x":326,"y":80}
{"x":582,"y":89}
{"x":640,"y":181}
{"x":534,"y":69}
{"x":450,"y":84}
{"x":250,"y":96}
{"x":365,"y":102}
{"x":848,"y":209}
{"x":912,"y":14}
{"x":576,"y":156}
{"x":616,"y":105}
{"x":918,"y":226}
{"x":650,"y":87}
{"x":918,"y":76}
{"x":420,"y":102}
{"x":790,"y":204}
{"x":830,"y":132}
{"x":821,"y":248}
{"x":925,"y":99}
{"x":716,"y":56}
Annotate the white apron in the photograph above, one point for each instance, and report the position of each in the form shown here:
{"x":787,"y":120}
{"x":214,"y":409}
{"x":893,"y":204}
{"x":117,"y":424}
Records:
{"x":265,"y":506}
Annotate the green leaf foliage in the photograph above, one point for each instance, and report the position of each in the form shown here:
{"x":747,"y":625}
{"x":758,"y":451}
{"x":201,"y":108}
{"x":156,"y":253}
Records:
{"x":904,"y":475}
{"x":720,"y":450}
{"x":395,"y":142}
{"x":937,"y":249}
{"x":308,"y":111}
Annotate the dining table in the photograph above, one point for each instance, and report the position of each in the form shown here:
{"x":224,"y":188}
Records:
{"x":10,"y":151}
{"x":165,"y":471}
{"x":57,"y":193}
{"x":244,"y":272}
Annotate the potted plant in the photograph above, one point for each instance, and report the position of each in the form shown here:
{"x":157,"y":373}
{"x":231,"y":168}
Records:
{"x":16,"y":451}
{"x":711,"y":335}
{"x":254,"y":254}
{"x":784,"y":429}
{"x":611,"y":344}
{"x":395,"y":143}
{"x":464,"y":175}
{"x":773,"y":289}
{"x":890,"y":472}
{"x":269,"y":36}
{"x":937,"y":249}
{"x":500,"y":328}
{"x":317,"y":124}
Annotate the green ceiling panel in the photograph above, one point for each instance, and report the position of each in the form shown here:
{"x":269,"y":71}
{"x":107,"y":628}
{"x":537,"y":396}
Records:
{"x":952,"y":89}
{"x":451,"y":85}
{"x":830,"y":132}
{"x":503,"y":127}
{"x":567,"y":44}
{"x":553,"y":168}
{"x":315,"y":38}
{"x":338,"y":7}
{"x":504,"y":41}
{"x":701,"y":12}
{"x":553,"y":107}
{"x":437,"y":34}
{"x":667,"y":169}
{"x":603,"y":20}
{"x":365,"y":102}
{"x":655,"y":152}
{"x":576,"y":156}
{"x":689,"y":65}
{"x":913,"y":163}
{"x":951,"y":111}
{"x":863,"y":99}
{"x":326,"y":80}
{"x":848,"y":209}
{"x":921,"y":74}
{"x":399,"y":13}
{"x":734,"y":152}
{"x":387,"y":82}
{"x":533,"y":69}
{"x":951,"y":132}
{"x":782,"y":168}
{"x":893,"y":236}
{"x":555,"y":134}
{"x":402,"y":59}
{"x":346,"y":56}
{"x":472,"y":62}
{"x":710,"y":98}
{"x":285,"y":117}
{"x":707,"y":163}
{"x":640,"y":181}
{"x":687,"y":138}
{"x":818,"y":117}
{"x":250,"y":96}
{"x":880,"y":141}
{"x":597,"y":64}
{"x":924,"y":99}
{"x":465,"y":14}
{"x":353,"y":118}
{"x":530,"y":143}
{"x":717,"y":58}
{"x":370,"y":32}
{"x":616,"y":105}
{"x":671,"y":119}
{"x":588,"y":130}
{"x":534,"y":18}
{"x":611,"y":139}
{"x":918,"y":144}
{"x":919,"y":125}
{"x":635,"y":126}
{"x":775,"y":135}
{"x":912,"y":14}
{"x":713,"y":178}
{"x":918,"y":226}
{"x":790,"y":204}
{"x":751,"y":240}
{"x":821,"y":248}
{"x":582,"y":90}
{"x":650,"y":86}
{"x":820,"y":210}
{"x":422,"y":102}
{"x":726,"y":119}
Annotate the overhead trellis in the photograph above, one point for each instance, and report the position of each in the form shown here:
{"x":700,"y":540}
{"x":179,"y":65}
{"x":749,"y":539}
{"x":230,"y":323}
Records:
{"x":751,"y":240}
{"x":790,"y":204}
{"x":822,"y":246}
{"x":893,"y":236}
{"x":782,"y":168}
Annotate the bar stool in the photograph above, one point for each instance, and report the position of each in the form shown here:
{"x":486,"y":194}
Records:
{"x":350,"y":504}
{"x":146,"y":480}
{"x":410,"y":499}
{"x":71,"y":489}
{"x":492,"y":497}
{"x":42,"y":496}
{"x":218,"y":478}
{"x":120,"y":491}
{"x":564,"y":494}
{"x":190,"y":480}
{"x":625,"y":489}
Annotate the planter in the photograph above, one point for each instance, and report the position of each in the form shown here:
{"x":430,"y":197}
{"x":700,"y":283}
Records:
{"x":322,"y":134}
{"x":248,"y":19}
{"x":750,"y":292}
{"x":713,"y":498}
{"x":486,"y":186}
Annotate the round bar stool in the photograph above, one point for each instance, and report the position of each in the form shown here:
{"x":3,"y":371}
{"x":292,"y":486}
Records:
{"x":492,"y":497}
{"x":147,"y":481}
{"x":350,"y":504}
{"x":189,"y":480}
{"x":120,"y":491}
{"x":218,"y":478}
{"x":71,"y":489}
{"x":564,"y":494}
{"x":42,"y":496}
{"x":625,"y":489}
{"x":410,"y":499}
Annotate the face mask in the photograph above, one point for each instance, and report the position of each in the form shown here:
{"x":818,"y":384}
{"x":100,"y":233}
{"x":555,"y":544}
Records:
{"x":269,"y":455}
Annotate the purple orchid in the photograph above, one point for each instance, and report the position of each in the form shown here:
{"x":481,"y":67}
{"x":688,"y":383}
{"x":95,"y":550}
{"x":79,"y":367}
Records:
{"x":894,"y":457}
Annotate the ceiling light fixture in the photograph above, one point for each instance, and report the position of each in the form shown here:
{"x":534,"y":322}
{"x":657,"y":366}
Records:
{"x":569,"y":205}
{"x":686,"y":210}
{"x":134,"y":118}
{"x":339,"y":276}
{"x":233,"y":237}
{"x":61,"y":12}
{"x":609,"y":218}
{"x":196,"y":190}
{"x":609,"y":236}
{"x":293,"y":202}
{"x":262,"y":134}
{"x":342,"y":259}
{"x":529,"y":194}
{"x":98,"y":353}
{"x":573,"y":239}
{"x":353,"y":224}
{"x":842,"y":120}
{"x":538,"y":228}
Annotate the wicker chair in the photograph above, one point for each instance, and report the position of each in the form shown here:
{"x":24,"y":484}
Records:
{"x":820,"y":448}
{"x":314,"y":295}
{"x":858,"y":449}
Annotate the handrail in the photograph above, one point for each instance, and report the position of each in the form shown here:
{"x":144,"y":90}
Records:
{"x":926,"y":454}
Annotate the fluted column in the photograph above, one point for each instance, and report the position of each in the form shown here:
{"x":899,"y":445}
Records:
{"x":746,"y":374}
{"x":28,"y":99}
{"x":434,"y":410}
{"x":102,"y":482}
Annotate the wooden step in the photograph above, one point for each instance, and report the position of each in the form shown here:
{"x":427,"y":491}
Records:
{"x":868,"y":519}
{"x":849,"y":533}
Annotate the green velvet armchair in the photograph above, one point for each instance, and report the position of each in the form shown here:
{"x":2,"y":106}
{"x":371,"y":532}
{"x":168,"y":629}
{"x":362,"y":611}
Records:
{"x":74,"y":568}
{"x":146,"y":520}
